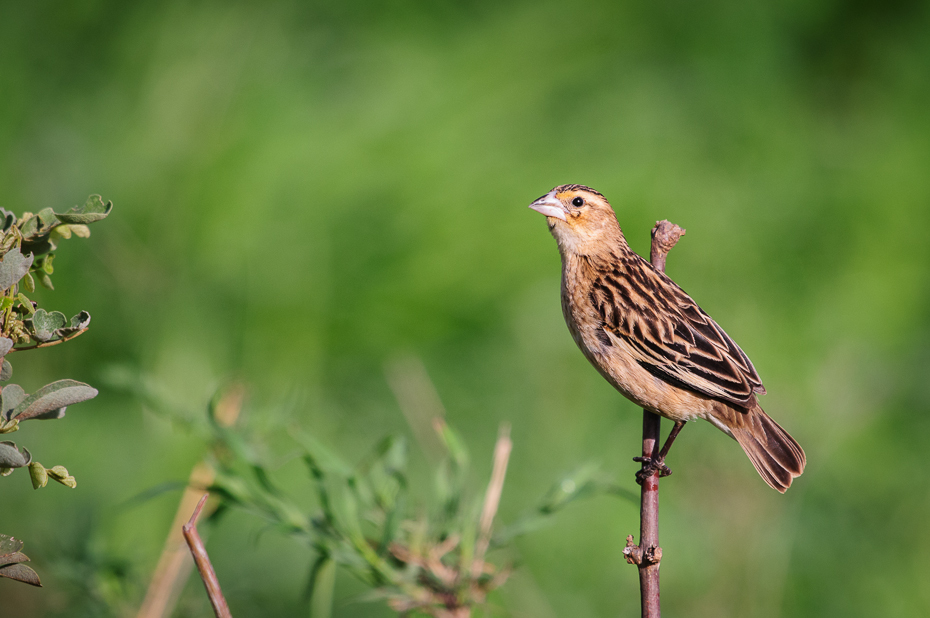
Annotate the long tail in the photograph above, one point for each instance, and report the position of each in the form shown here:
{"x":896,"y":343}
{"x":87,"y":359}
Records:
{"x":778,"y":458}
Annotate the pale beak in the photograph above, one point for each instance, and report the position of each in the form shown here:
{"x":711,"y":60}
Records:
{"x":550,"y":206}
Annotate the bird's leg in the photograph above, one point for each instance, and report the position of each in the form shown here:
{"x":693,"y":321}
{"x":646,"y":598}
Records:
{"x":657,"y":464}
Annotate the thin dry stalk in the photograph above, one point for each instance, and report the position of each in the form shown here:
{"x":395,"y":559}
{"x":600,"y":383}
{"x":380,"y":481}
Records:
{"x":174,"y":565}
{"x":492,"y":497}
{"x":202,"y":560}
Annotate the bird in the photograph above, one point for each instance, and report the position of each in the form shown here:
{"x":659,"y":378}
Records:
{"x":650,"y":340}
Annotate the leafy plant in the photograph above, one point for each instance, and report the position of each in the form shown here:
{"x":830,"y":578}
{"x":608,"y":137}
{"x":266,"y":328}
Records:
{"x":430,"y":561}
{"x":27,"y":251}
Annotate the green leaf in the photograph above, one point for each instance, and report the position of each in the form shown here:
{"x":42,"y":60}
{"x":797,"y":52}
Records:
{"x":50,"y":401}
{"x":46,"y":281}
{"x":21,"y":573}
{"x":47,"y":264}
{"x":11,"y":457}
{"x":92,"y":210}
{"x":61,"y":474}
{"x":6,"y":345}
{"x":320,"y":587}
{"x":6,"y":372}
{"x":13,"y":267}
{"x":25,"y":302}
{"x":38,"y":474}
{"x":29,"y":283}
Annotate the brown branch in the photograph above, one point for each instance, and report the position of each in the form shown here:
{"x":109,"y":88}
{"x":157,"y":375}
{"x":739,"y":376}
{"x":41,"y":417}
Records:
{"x":648,"y":554}
{"x":48,"y":344}
{"x":202,"y":560}
{"x":665,"y":235}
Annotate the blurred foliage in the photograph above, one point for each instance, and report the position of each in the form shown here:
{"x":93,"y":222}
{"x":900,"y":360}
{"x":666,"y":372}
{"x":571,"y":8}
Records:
{"x":365,"y":519}
{"x":308,"y":188}
{"x":27,"y":246}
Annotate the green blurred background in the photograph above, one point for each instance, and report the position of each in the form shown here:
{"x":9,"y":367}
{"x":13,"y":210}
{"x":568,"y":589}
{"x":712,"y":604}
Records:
{"x":304,"y":191}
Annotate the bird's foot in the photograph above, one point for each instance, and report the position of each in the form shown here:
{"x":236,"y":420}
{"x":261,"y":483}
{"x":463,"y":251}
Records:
{"x":651,"y":466}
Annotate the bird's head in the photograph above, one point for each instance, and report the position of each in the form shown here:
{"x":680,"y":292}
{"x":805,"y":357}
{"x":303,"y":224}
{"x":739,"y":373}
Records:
{"x":580,"y":219}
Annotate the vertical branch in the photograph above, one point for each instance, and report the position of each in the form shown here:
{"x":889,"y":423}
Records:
{"x":650,"y":551}
{"x":648,"y":554}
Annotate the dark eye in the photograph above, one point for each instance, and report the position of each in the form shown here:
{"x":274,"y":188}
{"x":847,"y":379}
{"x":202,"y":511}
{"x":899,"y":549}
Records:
{"x":577,"y":202}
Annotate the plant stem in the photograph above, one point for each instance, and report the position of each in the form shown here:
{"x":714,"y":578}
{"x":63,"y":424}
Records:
{"x":648,"y":554}
{"x":649,"y":522}
{"x":202,"y":560}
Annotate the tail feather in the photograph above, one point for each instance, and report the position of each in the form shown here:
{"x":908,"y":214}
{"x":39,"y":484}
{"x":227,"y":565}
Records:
{"x":777,"y":457}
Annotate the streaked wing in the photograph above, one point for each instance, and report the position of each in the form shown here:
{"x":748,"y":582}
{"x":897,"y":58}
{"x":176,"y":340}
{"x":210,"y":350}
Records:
{"x":669,"y":334}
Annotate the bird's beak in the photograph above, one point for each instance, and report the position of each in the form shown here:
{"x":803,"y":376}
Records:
{"x":550,"y":206}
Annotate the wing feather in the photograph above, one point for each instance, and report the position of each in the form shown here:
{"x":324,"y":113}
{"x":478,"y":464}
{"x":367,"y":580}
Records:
{"x":670,"y":335}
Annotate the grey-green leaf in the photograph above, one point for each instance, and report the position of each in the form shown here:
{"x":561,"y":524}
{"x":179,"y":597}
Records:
{"x":9,"y":545}
{"x":93,"y":210}
{"x":45,"y":324}
{"x":80,"y":321}
{"x":5,"y":346}
{"x":21,"y":573}
{"x":7,"y":219}
{"x":13,"y":558}
{"x":47,"y":219}
{"x":11,"y":397}
{"x":6,"y":371}
{"x":51,"y":400}
{"x":11,"y":457}
{"x":30,"y":227}
{"x":13,"y":267}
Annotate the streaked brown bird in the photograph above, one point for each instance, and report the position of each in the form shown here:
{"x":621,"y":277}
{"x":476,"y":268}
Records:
{"x":652,"y":342}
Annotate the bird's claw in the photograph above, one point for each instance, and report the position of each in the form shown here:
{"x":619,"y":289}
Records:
{"x":650,"y":467}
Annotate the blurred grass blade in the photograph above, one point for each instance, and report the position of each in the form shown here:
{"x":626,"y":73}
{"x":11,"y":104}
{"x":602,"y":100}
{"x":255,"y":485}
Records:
{"x":453,"y":443}
{"x":588,"y":481}
{"x":322,"y":458}
{"x":320,"y":587}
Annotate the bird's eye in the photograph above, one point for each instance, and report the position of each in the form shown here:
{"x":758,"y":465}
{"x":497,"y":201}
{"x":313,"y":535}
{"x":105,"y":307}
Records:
{"x":577,"y":202}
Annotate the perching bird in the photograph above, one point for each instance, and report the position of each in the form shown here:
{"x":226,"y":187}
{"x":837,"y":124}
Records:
{"x":652,"y":342}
